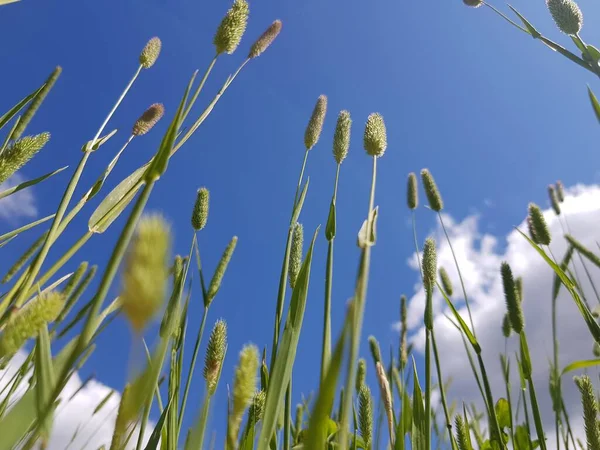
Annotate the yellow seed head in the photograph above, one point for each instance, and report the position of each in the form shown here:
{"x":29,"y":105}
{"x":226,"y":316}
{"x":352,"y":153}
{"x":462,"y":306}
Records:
{"x":244,"y":387}
{"x":232,"y":28}
{"x":146,"y":271}
{"x":375,"y":138}
{"x":341,"y":138}
{"x":200,"y":213}
{"x":365,"y":414}
{"x":147,"y":120}
{"x":150,"y":53}
{"x":315,"y":124}
{"x":386,"y":396}
{"x":265,"y":40}
{"x":26,"y":322}
{"x":19,"y":153}
{"x":215,"y":352}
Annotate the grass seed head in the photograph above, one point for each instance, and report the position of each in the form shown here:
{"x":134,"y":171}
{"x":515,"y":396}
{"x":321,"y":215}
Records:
{"x":560,"y":191}
{"x":513,"y":305}
{"x":365,"y":414}
{"x":215,"y":282}
{"x":446,"y":283}
{"x":463,"y":438}
{"x":148,"y":119}
{"x":315,"y":124}
{"x":265,"y":40}
{"x":403,"y":332}
{"x":554,"y":199}
{"x":341,"y":137}
{"x":75,"y":278}
{"x":375,"y":350}
{"x":146,"y":271}
{"x":18,"y":265}
{"x":506,"y":328}
{"x":296,"y":254}
{"x":539,"y":225}
{"x":361,"y":373}
{"x":244,"y":388}
{"x":386,"y":397}
{"x":567,"y":15}
{"x":375,"y":137}
{"x":590,"y":411}
{"x":429,"y":265}
{"x":232,"y":27}
{"x":215,"y":352}
{"x":20,"y":153}
{"x":150,"y":53}
{"x":412,"y":195}
{"x":431,"y":191}
{"x":200,"y":212}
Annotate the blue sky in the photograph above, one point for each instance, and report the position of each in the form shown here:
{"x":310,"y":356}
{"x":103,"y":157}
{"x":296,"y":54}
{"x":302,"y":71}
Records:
{"x":493,"y":114}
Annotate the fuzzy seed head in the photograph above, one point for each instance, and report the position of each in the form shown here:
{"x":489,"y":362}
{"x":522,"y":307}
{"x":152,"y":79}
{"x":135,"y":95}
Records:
{"x":554,"y":199}
{"x":519,"y":288}
{"x":590,"y":411}
{"x":361,"y":374}
{"x":19,"y":153}
{"x":560,"y":191}
{"x":341,"y":137}
{"x":403,"y":332}
{"x":299,"y":417}
{"x":412,"y":197}
{"x":375,"y":351}
{"x":566,"y":15}
{"x":375,"y":137}
{"x":446,"y":283}
{"x":463,"y":437}
{"x":539,"y":225}
{"x":18,"y":265}
{"x":429,"y":265}
{"x":215,"y":282}
{"x":215,"y":352}
{"x":146,"y":271}
{"x":147,"y":120}
{"x":433,"y":194}
{"x":315,"y":124}
{"x":513,"y":305}
{"x":232,"y":28}
{"x":296,"y":254}
{"x":200,"y":213}
{"x":150,"y":53}
{"x":473,"y":3}
{"x":365,"y":414}
{"x":244,"y":387}
{"x":531,"y":230}
{"x":257,"y":408}
{"x":386,"y":396}
{"x":265,"y":40}
{"x":506,"y":328}
{"x":26,"y":322}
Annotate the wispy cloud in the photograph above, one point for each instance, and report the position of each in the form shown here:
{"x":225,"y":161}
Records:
{"x":19,"y":205}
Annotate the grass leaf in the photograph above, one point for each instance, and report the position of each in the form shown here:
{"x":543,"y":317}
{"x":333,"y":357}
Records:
{"x":581,"y":364}
{"x":29,"y":183}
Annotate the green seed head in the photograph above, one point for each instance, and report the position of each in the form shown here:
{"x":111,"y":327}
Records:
{"x":147,"y":120}
{"x":18,"y":265}
{"x":506,"y":328}
{"x":215,"y":352}
{"x":200,"y":213}
{"x":590,"y":411}
{"x":19,"y":153}
{"x":75,"y":278}
{"x":315,"y":124}
{"x":403,"y":332}
{"x":539,"y":226}
{"x":296,"y":254}
{"x":150,"y":53}
{"x":341,"y":138}
{"x":375,"y":138}
{"x":513,"y":305}
{"x":232,"y":28}
{"x":596,"y":350}
{"x":567,"y":15}
{"x":560,"y":191}
{"x":299,"y":417}
{"x":375,"y":351}
{"x":365,"y":414}
{"x":265,"y":40}
{"x":412,"y":196}
{"x":519,"y":288}
{"x":446,"y":283}
{"x":146,"y":271}
{"x":215,"y":282}
{"x":463,"y":437}
{"x":554,"y":199}
{"x":257,"y":408}
{"x":429,"y":265}
{"x":26,"y":322}
{"x":244,"y":387}
{"x":433,"y":194}
{"x":473,"y":3}
{"x":361,"y":373}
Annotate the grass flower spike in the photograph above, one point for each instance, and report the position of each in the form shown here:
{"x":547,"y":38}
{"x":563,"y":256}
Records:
{"x":244,"y":388}
{"x":147,"y":120}
{"x":265,"y":40}
{"x":146,"y":271}
{"x":150,"y":53}
{"x":431,"y":190}
{"x":554,"y":199}
{"x":315,"y":124}
{"x":215,"y":352}
{"x":506,"y":327}
{"x":26,"y":322}
{"x":257,"y":408}
{"x":18,"y":265}
{"x":215,"y":282}
{"x":386,"y":396}
{"x":566,"y":15}
{"x":560,"y":191}
{"x":412,"y":196}
{"x":361,"y":374}
{"x":365,"y":415}
{"x":590,"y":411}
{"x":375,"y":350}
{"x":403,"y":332}
{"x":539,"y":225}
{"x":200,"y":213}
{"x":375,"y":137}
{"x":19,"y":153}
{"x":232,"y":28}
{"x":446,"y":283}
{"x":341,"y":138}
{"x":513,"y":305}
{"x":296,"y":254}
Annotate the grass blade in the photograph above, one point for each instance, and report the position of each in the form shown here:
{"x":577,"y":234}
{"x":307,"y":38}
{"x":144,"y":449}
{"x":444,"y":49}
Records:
{"x":29,"y":183}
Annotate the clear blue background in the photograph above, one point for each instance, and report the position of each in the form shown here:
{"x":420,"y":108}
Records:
{"x":493,"y":114}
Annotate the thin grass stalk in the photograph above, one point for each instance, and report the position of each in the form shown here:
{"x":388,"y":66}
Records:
{"x":494,"y":427}
{"x":199,"y":88}
{"x":556,"y":375}
{"x":360,"y":295}
{"x":537,"y":417}
{"x":428,"y":389}
{"x":326,"y":347}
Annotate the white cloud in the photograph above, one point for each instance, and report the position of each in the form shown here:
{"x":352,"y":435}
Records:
{"x":20,"y":204}
{"x":76,"y":414}
{"x":479,"y":258}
